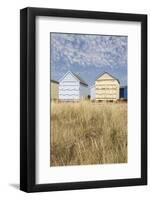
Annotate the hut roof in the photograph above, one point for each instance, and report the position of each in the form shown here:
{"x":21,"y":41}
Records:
{"x":77,"y":77}
{"x":55,"y":81}
{"x":80,"y":79}
{"x":124,"y":86}
{"x":109,"y":75}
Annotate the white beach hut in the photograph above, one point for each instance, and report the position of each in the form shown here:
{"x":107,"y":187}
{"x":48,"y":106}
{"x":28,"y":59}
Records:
{"x":92,"y":92}
{"x":72,"y":87}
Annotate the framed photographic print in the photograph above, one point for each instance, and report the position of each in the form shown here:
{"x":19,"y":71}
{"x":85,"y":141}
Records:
{"x":83,"y":99}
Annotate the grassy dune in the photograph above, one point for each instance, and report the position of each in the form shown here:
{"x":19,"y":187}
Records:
{"x":88,"y":133}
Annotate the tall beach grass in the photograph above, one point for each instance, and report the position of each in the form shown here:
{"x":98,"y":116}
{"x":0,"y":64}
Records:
{"x":85,"y":133}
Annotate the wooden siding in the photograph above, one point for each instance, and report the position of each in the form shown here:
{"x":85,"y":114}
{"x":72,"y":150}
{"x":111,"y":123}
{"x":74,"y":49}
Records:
{"x":70,"y":88}
{"x":92,"y":92}
{"x":54,"y":90}
{"x":123,"y":92}
{"x":107,"y":88}
{"x":83,"y":91}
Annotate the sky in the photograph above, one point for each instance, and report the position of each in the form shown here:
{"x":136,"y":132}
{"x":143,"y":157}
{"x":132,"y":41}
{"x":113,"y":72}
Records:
{"x":88,"y":56}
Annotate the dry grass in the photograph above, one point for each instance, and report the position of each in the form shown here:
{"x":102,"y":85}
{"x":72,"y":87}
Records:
{"x":88,"y":133}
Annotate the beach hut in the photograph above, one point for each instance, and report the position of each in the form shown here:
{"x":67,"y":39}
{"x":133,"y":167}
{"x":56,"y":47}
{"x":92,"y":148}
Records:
{"x":123,"y":92}
{"x":54,"y":90}
{"x":92,"y":92}
{"x":72,"y":87}
{"x":107,"y":87}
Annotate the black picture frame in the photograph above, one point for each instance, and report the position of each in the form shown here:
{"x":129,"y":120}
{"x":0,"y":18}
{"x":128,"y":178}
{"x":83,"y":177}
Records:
{"x":28,"y":99}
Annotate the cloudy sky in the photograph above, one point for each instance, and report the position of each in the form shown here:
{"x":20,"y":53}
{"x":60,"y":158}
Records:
{"x":88,"y":56}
